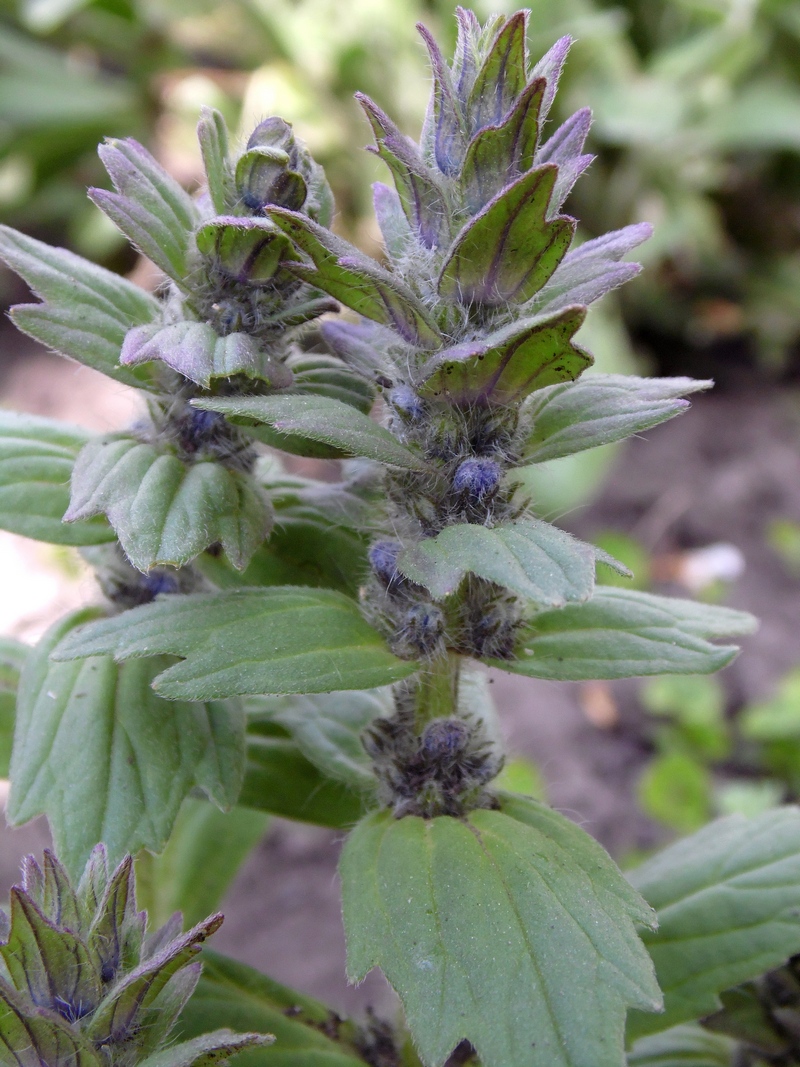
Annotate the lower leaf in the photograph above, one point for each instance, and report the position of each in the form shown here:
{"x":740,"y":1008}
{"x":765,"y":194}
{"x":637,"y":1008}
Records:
{"x":511,"y":929}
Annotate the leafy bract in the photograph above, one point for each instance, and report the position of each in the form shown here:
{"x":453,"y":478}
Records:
{"x":504,"y":929}
{"x":327,"y":729}
{"x":106,"y":759}
{"x":593,"y":269}
{"x":197,"y":352}
{"x":149,"y":206}
{"x":320,"y":418}
{"x":622,"y":634}
{"x":207,"y":1049}
{"x":357,"y":281}
{"x":85,"y":310}
{"x":308,"y":1034}
{"x":599,"y":409}
{"x":280,"y":640}
{"x":682,"y":1046}
{"x":249,"y":250}
{"x":509,"y":250}
{"x":164,"y":510}
{"x":508,"y":365}
{"x":532,"y":558}
{"x":280,"y":780}
{"x":212,"y":133}
{"x":36,"y":460}
{"x":728,"y":905}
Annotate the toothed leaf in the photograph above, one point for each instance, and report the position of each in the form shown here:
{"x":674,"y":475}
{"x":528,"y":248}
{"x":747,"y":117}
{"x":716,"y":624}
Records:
{"x":85,"y":311}
{"x":727,"y":901}
{"x":280,"y":640}
{"x":36,"y":460}
{"x":321,"y":418}
{"x":106,"y":759}
{"x":624,"y":634}
{"x":509,"y":250}
{"x":197,"y":352}
{"x":508,"y":365}
{"x":532,"y":558}
{"x":600,"y":409}
{"x":165,"y":511}
{"x":502,"y":929}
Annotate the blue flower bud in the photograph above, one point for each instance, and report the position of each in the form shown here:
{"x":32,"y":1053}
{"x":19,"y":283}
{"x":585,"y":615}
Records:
{"x":445,"y":739}
{"x":158,"y":582}
{"x":383,"y":559}
{"x":407,"y":403}
{"x":477,"y":478}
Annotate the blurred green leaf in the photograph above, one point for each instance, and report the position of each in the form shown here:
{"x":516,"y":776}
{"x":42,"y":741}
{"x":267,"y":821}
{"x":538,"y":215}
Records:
{"x":676,"y":790}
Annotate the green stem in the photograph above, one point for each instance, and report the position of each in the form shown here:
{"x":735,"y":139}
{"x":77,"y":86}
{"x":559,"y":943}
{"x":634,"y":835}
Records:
{"x":437,"y":691}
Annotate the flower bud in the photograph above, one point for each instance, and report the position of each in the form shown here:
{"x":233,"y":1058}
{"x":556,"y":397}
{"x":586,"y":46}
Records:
{"x":406,"y":403}
{"x":422,"y":627}
{"x":477,"y":478}
{"x":383,"y":559}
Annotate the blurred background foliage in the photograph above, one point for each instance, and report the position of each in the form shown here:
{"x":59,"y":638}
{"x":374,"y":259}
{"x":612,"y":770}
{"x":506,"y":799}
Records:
{"x":697,"y":128}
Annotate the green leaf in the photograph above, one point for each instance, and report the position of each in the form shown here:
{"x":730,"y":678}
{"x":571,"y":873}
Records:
{"x":624,"y":634}
{"x":13,"y":655}
{"x":327,"y":729}
{"x":532,"y":558}
{"x":321,"y":375}
{"x":728,"y":907}
{"x":356,"y":281}
{"x":205,"y":850}
{"x":250,"y":250}
{"x":509,"y":250}
{"x":682,"y":1046}
{"x":106,"y":759}
{"x":279,"y":779}
{"x":36,"y":460}
{"x":502,"y":75}
{"x":282,"y":640}
{"x":321,"y":419}
{"x":165,"y":511}
{"x":197,"y":352}
{"x":599,"y":409}
{"x":212,"y":133}
{"x":308,"y":1034}
{"x":85,"y":311}
{"x":511,"y":363}
{"x":149,"y":206}
{"x":207,"y":1049}
{"x":505,"y":929}
{"x":777,"y":719}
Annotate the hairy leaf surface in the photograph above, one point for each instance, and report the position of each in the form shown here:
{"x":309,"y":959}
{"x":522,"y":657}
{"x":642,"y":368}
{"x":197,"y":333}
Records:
{"x":85,"y":310}
{"x":106,"y":759}
{"x":280,"y":640}
{"x":599,"y":409}
{"x":207,"y":1049}
{"x":212,"y":133}
{"x":321,"y":418}
{"x":36,"y":460}
{"x":165,"y":511}
{"x":504,"y":929}
{"x":728,"y":905}
{"x":622,"y":634}
{"x":532,"y":558}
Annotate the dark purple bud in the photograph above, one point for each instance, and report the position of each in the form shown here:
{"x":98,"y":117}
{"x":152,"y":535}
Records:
{"x":272,"y":133}
{"x":202,"y":423}
{"x":407,"y":403}
{"x":161,"y":582}
{"x":445,"y":739}
{"x":422,"y":627}
{"x":383,"y":560}
{"x":476,"y":478}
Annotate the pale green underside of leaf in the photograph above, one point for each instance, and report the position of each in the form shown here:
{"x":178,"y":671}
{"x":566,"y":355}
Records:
{"x":106,"y":759}
{"x":165,"y":511}
{"x":531,"y":558}
{"x":728,"y":905}
{"x":36,"y":460}
{"x":232,"y":994}
{"x":624,"y":634}
{"x":682,"y":1046}
{"x":86,"y":310}
{"x":600,"y":409}
{"x":279,"y":640}
{"x":327,"y":729}
{"x":504,"y":929}
{"x":323,"y":419}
